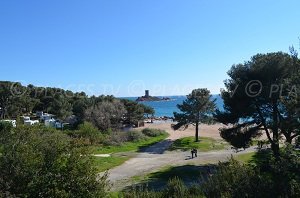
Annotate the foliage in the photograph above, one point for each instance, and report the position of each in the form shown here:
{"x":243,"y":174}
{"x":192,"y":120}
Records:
{"x":175,"y":188}
{"x":135,"y":111}
{"x":297,"y":142}
{"x":41,"y":162}
{"x":284,"y":173}
{"x":255,"y":102}
{"x":17,"y":100}
{"x":140,"y":192}
{"x":89,"y":132}
{"x":136,"y":136}
{"x":240,"y":137}
{"x":204,"y":144}
{"x":123,"y":144}
{"x":116,"y":138}
{"x":196,"y":109}
{"x":148,"y":110}
{"x":153,"y":132}
{"x":5,"y":131}
{"x":106,"y":115}
{"x":236,"y":180}
{"x":264,"y":177}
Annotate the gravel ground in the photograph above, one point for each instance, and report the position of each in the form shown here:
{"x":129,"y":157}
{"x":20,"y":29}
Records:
{"x":156,"y":157}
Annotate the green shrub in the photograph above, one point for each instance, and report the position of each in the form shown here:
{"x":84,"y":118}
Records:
{"x":115,"y":139}
{"x":152,"y":132}
{"x":175,"y":188}
{"x":233,"y":179}
{"x":5,"y":131}
{"x":120,"y":137}
{"x":135,"y":136}
{"x":41,"y":162}
{"x":285,"y":173}
{"x":86,"y":134}
{"x":141,"y":191}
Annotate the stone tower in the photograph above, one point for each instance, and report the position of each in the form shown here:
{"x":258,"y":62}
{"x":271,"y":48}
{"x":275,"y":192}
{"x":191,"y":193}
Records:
{"x":147,"y":93}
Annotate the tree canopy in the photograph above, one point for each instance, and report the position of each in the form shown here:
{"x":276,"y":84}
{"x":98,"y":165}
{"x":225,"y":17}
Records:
{"x":17,"y":100}
{"x":259,"y":98}
{"x":197,"y":108}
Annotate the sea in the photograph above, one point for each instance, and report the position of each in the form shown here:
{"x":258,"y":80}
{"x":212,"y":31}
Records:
{"x":167,"y":108}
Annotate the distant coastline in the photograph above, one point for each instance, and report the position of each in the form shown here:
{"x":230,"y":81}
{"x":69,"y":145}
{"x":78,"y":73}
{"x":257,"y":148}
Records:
{"x":152,"y":98}
{"x":166,"y":108}
{"x":147,"y":97}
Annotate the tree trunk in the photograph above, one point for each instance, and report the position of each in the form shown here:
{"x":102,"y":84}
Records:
{"x":289,"y":139}
{"x":197,"y":132}
{"x":275,"y":144}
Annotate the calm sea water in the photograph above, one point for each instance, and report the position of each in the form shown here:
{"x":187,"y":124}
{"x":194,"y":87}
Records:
{"x":166,"y":108}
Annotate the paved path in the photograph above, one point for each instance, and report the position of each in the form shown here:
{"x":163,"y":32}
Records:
{"x":155,"y":157}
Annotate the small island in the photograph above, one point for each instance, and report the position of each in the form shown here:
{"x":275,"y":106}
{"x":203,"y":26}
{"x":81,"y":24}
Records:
{"x":147,"y":97}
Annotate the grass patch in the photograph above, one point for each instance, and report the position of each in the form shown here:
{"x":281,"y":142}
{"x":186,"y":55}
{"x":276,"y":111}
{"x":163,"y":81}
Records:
{"x":106,"y":163}
{"x":205,"y":144}
{"x":255,"y":158}
{"x":129,"y":146}
{"x":115,"y":195}
{"x":118,"y":156}
{"x":245,"y":157}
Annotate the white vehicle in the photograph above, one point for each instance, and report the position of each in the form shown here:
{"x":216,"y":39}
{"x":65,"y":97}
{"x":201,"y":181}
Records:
{"x":26,"y":118}
{"x":13,"y":122}
{"x":50,"y":122}
{"x":46,"y":116}
{"x":30,"y":122}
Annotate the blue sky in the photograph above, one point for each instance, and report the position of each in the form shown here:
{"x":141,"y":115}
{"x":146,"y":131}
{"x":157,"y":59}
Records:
{"x":122,"y":47}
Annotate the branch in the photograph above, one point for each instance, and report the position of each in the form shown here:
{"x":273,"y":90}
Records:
{"x":264,"y":124}
{"x":293,"y":136}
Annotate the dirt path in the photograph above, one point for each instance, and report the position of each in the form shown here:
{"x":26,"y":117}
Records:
{"x":148,"y":162}
{"x":155,"y":157}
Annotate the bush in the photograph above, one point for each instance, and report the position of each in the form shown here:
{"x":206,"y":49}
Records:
{"x":115,"y":139}
{"x":285,"y":173}
{"x":120,"y":137}
{"x":41,"y":162}
{"x":152,"y":132}
{"x":135,"y":136}
{"x":5,"y":131}
{"x":175,"y":188}
{"x":87,"y":134}
{"x":141,"y":191}
{"x":233,"y":179}
{"x":88,"y":131}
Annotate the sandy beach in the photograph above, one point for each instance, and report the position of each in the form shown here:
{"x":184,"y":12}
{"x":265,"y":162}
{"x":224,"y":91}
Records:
{"x":204,"y":130}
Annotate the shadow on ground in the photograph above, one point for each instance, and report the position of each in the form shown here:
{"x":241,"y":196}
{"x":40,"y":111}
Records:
{"x":262,"y":159}
{"x":189,"y":174}
{"x":157,"y":148}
